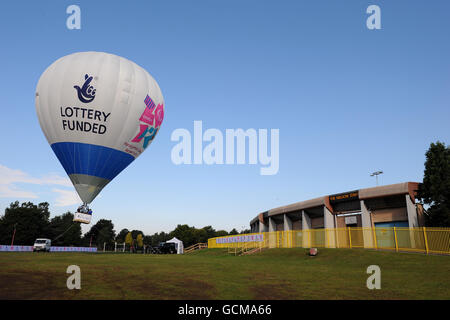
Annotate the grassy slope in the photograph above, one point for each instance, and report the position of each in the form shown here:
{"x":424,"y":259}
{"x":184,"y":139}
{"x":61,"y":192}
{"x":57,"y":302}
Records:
{"x":213,"y":274}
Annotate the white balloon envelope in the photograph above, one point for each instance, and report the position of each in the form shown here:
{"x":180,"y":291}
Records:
{"x":98,"y":112}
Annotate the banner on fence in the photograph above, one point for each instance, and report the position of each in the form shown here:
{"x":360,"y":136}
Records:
{"x":73,"y":249}
{"x":15,"y":248}
{"x":52,"y":249}
{"x":244,"y":238}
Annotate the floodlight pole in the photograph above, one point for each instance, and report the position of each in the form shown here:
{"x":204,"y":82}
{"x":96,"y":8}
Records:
{"x":376,"y":173}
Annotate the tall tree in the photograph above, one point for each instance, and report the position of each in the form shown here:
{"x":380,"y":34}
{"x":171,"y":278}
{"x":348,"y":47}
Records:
{"x":140,"y":240}
{"x":148,"y":240}
{"x":101,"y":232}
{"x":160,"y":237}
{"x":121,"y":236}
{"x":221,"y":233}
{"x":129,"y":239}
{"x":134,"y":233}
{"x":435,"y":189}
{"x":200,"y":235}
{"x":210,"y":232}
{"x":184,"y":233}
{"x":30,"y":221}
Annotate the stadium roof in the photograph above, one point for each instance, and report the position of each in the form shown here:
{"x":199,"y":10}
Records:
{"x":366,"y":193}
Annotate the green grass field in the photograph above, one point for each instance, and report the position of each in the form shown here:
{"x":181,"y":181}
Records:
{"x":213,"y":274}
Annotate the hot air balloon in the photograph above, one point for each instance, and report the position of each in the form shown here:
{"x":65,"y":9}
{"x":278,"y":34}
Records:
{"x":98,"y":112}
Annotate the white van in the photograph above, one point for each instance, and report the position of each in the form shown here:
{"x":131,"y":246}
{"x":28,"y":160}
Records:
{"x":42,"y":244}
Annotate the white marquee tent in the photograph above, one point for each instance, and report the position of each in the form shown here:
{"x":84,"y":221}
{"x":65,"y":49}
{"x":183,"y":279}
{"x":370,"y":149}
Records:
{"x":178,"y":245}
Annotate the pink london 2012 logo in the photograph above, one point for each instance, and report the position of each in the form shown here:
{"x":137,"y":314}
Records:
{"x":152,"y":117}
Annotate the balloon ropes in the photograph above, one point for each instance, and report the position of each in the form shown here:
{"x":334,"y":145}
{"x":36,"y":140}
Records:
{"x":99,"y":112}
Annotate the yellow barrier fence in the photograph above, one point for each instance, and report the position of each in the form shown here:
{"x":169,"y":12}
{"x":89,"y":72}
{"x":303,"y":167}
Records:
{"x":425,"y":240}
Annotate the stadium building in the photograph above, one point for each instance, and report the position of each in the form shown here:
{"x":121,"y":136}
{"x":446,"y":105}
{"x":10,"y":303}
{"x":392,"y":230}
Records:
{"x":384,"y":206}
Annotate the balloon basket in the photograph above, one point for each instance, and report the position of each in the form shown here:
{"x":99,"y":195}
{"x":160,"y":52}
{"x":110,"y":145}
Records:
{"x":82,"y":217}
{"x":83,"y":214}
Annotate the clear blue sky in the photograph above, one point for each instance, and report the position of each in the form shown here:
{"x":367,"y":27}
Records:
{"x":347,"y":100}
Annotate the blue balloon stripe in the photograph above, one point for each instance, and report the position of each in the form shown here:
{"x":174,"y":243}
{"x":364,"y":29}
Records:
{"x":105,"y":161}
{"x":96,"y":166}
{"x":92,"y":160}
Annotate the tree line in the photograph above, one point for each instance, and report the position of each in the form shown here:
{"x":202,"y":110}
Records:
{"x":28,"y":221}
